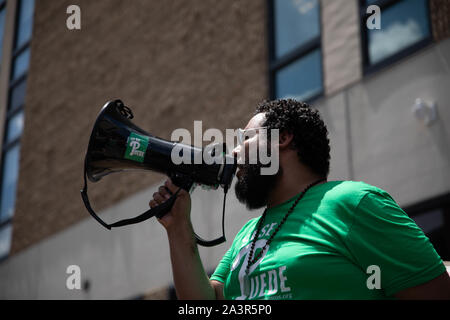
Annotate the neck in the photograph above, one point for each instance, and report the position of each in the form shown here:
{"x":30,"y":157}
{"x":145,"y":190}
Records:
{"x":290,"y":184}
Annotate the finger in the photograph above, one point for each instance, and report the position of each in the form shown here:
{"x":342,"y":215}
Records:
{"x":158,"y":198}
{"x":165,"y":192}
{"x":153,"y":204}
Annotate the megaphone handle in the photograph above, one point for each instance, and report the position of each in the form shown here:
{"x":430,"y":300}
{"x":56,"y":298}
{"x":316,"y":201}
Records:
{"x":182,"y":181}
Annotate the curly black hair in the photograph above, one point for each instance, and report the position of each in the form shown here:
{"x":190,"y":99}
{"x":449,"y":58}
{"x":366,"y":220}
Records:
{"x":310,"y":133}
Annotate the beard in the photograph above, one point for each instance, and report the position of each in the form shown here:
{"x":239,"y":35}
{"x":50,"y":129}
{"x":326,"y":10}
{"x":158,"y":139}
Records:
{"x":252,"y":188}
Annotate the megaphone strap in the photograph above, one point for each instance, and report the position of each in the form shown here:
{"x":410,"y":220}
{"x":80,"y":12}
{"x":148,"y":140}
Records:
{"x":158,"y":211}
{"x":87,"y":204}
{"x":222,"y":239}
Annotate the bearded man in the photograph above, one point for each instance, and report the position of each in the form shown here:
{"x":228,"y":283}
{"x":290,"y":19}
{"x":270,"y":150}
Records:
{"x":316,"y":239}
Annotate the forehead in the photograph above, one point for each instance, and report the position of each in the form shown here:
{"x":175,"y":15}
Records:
{"x":256,"y":121}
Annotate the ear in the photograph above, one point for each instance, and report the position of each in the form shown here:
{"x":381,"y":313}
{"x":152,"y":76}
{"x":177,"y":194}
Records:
{"x":285,"y":139}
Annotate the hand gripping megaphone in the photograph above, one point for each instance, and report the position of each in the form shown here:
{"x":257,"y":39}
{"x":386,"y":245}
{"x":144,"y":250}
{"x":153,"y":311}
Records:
{"x":116,"y":144}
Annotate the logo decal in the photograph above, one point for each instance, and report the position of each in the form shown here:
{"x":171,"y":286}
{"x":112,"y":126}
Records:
{"x":136,"y":147}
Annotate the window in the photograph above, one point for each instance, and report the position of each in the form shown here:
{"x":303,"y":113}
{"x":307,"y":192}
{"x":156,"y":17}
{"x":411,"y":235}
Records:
{"x":14,"y":122}
{"x":295,"y":68}
{"x":25,"y":23}
{"x":405,"y":27}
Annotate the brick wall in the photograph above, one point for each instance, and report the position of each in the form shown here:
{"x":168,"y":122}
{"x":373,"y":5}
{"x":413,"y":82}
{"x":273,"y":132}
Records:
{"x":440,"y":19}
{"x":172,"y":62}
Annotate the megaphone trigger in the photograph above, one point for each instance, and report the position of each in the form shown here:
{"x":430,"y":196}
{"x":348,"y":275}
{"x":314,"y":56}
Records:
{"x":182,"y":181}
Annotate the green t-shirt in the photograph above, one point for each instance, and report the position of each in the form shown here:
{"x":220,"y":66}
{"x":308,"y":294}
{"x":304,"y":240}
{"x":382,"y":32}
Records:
{"x":344,"y":240}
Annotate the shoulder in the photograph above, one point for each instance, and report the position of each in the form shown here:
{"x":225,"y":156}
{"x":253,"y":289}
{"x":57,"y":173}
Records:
{"x":375,"y":205}
{"x":351,"y":192}
{"x":350,"y":196}
{"x":349,"y":186}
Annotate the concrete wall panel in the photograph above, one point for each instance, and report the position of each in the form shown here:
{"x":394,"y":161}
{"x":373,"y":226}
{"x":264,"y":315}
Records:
{"x":391,"y":148}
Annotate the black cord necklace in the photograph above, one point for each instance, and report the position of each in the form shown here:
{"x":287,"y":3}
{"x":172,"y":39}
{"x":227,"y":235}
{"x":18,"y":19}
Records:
{"x":251,"y":259}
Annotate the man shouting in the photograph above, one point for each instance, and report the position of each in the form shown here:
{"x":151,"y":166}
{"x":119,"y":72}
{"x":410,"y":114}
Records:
{"x":316,"y":239}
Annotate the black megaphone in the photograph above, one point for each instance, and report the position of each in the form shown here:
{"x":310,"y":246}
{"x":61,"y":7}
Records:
{"x":116,"y":144}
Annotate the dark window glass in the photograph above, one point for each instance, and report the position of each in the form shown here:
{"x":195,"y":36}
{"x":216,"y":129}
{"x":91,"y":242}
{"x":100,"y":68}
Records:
{"x":9,"y":182}
{"x":430,"y":221}
{"x":402,"y":25}
{"x":301,"y":79}
{"x":25,"y":22}
{"x":17,"y":95}
{"x":296,"y":22}
{"x":436,"y":226}
{"x":20,"y":64}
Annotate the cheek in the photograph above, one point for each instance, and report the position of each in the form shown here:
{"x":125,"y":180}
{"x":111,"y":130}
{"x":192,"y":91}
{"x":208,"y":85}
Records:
{"x":262,"y":143}
{"x":248,"y":153}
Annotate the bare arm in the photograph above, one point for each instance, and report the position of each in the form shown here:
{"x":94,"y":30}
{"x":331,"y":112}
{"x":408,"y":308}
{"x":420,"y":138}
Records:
{"x":436,"y":289}
{"x":218,"y":287}
{"x":190,"y":278}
